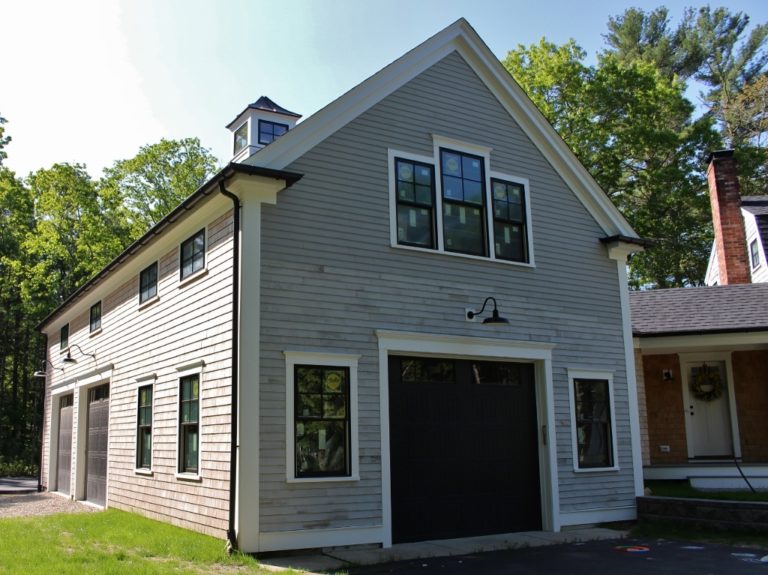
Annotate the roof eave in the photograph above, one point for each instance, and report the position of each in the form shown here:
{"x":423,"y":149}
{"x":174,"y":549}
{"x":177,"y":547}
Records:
{"x":193,"y":199}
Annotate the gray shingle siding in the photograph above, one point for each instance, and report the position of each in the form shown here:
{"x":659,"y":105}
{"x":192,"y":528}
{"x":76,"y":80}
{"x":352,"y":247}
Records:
{"x":330,"y":278}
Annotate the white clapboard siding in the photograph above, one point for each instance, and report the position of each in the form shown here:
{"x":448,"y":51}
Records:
{"x":189,"y":323}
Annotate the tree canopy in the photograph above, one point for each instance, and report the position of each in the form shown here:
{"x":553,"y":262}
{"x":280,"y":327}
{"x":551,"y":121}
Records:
{"x":630,"y":123}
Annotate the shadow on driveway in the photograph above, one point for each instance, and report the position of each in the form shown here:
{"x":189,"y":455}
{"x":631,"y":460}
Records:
{"x":627,"y":557}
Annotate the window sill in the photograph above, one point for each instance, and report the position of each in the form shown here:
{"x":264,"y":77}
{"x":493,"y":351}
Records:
{"x":323,"y":479}
{"x":191,"y":477}
{"x":459,"y":255}
{"x":189,"y":279}
{"x":94,"y":333}
{"x":146,"y":472}
{"x":149,"y":302}
{"x":596,"y":469}
{"x":63,"y":350}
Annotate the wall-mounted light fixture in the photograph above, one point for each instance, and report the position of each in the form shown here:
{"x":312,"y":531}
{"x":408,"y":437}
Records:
{"x":42,"y":372}
{"x":495,"y":317}
{"x":70,"y":359}
{"x":666,"y":374}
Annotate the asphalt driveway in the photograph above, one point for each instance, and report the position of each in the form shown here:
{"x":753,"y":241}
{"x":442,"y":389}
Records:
{"x":625,"y":557}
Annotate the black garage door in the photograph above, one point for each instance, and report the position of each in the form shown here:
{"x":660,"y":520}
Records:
{"x":463,"y":448}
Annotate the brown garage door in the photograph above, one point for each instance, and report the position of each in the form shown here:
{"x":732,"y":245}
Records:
{"x":98,"y":436}
{"x":64,"y":451}
{"x":463,"y":448}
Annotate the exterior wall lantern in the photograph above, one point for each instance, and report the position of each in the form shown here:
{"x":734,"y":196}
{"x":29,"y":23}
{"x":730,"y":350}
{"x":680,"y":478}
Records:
{"x":70,"y":359}
{"x":495,"y":318}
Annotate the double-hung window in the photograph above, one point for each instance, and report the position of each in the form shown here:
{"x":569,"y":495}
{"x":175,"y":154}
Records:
{"x":463,"y":183}
{"x":148,"y":283}
{"x":270,"y":131}
{"x":189,"y":425}
{"x":321,"y":414}
{"x":754,"y":254}
{"x":453,"y":203}
{"x":95,"y":317}
{"x":415,"y":203}
{"x":193,"y":254}
{"x":592,"y":417}
{"x":144,"y":429}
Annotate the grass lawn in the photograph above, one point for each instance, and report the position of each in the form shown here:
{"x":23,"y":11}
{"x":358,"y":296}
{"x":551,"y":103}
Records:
{"x":684,"y":489}
{"x":112,"y":542}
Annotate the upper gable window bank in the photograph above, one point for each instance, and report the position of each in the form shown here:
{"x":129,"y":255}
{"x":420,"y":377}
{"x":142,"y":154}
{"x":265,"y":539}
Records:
{"x":270,"y":131}
{"x":453,"y":203}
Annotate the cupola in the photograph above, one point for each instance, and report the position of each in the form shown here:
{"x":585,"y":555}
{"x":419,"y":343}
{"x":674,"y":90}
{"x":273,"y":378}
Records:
{"x":260,"y":124}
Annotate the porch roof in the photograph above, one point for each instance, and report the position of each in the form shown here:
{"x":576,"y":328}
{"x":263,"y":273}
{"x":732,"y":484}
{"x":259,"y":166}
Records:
{"x":711,"y":309}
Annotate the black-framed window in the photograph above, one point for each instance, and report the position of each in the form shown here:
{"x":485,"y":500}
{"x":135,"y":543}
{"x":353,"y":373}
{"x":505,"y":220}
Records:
{"x":189,"y":427}
{"x":148,"y":283}
{"x":144,"y":428}
{"x":193,"y":254}
{"x":95,"y":317}
{"x":322,"y":423}
{"x":415,"y":193}
{"x":754,"y":254}
{"x":594,"y":436}
{"x":270,"y":131}
{"x":64,"y":336}
{"x":509,"y":222}
{"x":241,"y":138}
{"x":463,"y":182}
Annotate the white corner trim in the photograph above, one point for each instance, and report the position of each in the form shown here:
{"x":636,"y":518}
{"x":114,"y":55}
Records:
{"x":574,"y":374}
{"x":313,"y":538}
{"x":350,"y":361}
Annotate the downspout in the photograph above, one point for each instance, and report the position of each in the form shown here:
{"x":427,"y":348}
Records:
{"x":231,"y":532}
{"x":42,"y":424}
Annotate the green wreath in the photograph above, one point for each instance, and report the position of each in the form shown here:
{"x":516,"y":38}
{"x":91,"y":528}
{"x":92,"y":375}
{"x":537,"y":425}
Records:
{"x":706,"y":383}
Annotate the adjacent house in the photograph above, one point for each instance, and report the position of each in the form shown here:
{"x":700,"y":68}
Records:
{"x":403,"y":318}
{"x":701,"y":354}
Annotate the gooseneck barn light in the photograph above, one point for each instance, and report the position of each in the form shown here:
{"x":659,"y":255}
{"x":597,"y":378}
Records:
{"x":495,"y":318}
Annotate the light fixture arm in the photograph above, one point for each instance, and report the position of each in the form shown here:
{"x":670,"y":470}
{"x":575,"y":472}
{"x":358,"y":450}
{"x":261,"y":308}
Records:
{"x":41,"y":372}
{"x":495,"y":317}
{"x":70,"y":359}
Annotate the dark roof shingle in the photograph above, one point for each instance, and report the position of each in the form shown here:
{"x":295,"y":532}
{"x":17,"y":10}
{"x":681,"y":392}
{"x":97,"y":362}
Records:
{"x":711,"y":309}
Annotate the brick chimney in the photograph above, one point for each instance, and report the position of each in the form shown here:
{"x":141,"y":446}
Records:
{"x":730,"y":240}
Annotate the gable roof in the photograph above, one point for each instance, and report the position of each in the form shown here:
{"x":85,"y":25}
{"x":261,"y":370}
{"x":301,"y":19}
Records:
{"x":458,"y":37}
{"x":699,"y":310}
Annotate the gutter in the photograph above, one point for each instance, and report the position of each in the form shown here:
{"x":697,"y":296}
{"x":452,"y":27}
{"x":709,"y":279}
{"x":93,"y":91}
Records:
{"x":189,"y":203}
{"x":233,"y":442}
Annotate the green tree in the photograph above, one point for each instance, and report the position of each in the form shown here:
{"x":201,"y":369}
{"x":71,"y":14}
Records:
{"x":156,"y":180}
{"x":3,"y":140}
{"x":633,"y":129}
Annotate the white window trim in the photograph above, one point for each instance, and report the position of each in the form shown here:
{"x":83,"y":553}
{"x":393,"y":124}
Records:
{"x":754,"y":264}
{"x":574,"y":374}
{"x":193,"y":368}
{"x":247,"y":137}
{"x":293,"y":358}
{"x":202,"y":271}
{"x":439,"y":142}
{"x":144,"y":381}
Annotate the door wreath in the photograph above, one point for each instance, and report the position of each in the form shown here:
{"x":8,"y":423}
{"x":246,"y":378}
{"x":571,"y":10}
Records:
{"x":706,"y":383}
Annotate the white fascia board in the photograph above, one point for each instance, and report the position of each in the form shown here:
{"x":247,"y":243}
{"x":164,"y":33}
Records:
{"x":712,"y":341}
{"x":462,"y":38}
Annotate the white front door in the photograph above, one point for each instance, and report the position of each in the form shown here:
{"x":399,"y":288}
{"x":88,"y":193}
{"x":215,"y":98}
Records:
{"x":707,"y":409}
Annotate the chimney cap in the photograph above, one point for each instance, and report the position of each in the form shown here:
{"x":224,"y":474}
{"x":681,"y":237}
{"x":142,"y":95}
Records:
{"x":716,"y":155}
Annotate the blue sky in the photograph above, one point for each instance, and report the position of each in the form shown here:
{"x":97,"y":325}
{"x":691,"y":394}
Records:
{"x":92,"y":81}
